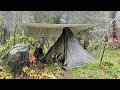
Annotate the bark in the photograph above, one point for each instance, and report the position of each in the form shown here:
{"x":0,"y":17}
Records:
{"x":14,"y":34}
{"x":3,"y":35}
{"x":86,"y":40}
{"x":114,"y":33}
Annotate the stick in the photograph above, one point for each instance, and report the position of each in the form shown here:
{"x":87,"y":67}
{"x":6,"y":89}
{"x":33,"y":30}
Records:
{"x":102,"y":54}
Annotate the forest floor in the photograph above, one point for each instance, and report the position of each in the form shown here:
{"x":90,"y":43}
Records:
{"x":109,"y":69}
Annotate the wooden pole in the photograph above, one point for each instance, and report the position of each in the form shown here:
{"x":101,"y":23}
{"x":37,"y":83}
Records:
{"x":106,"y":40}
{"x":102,"y":54}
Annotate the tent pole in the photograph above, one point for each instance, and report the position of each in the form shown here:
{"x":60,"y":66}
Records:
{"x":65,"y":44}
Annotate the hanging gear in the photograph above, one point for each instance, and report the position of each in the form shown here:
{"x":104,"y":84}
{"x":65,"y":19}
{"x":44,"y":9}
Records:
{"x":39,"y":54}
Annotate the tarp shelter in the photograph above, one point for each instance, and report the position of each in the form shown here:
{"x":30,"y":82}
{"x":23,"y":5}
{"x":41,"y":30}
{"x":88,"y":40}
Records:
{"x":73,"y":53}
{"x":52,"y":30}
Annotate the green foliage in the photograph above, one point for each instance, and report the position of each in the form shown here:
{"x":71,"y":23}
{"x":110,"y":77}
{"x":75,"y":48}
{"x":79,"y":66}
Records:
{"x":55,"y":65}
{"x":18,"y":39}
{"x":45,"y":49}
{"x":50,"y":20}
{"x":3,"y":49}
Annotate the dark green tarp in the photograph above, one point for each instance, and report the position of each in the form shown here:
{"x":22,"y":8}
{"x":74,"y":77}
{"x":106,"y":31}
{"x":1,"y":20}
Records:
{"x":51,"y":30}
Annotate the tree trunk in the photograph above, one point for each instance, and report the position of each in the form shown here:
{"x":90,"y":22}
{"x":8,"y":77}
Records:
{"x":15,"y":35}
{"x":3,"y":36}
{"x":114,"y":26}
{"x":86,"y":40}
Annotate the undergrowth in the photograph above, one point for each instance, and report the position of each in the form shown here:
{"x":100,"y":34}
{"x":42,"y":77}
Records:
{"x":109,"y":69}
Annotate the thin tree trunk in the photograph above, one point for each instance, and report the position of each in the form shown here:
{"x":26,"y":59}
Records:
{"x":86,"y":40}
{"x":114,"y":26}
{"x":15,"y":35}
{"x":3,"y":36}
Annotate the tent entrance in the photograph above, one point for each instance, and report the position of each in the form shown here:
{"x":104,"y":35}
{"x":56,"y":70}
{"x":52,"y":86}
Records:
{"x":58,"y":48}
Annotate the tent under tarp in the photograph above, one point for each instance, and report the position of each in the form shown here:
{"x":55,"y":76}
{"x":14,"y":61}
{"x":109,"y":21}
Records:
{"x":52,"y":30}
{"x":71,"y":51}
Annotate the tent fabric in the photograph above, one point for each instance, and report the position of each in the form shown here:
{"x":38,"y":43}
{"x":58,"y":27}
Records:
{"x":51,"y":30}
{"x":18,"y":56}
{"x":72,"y":52}
{"x":75,"y":54}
